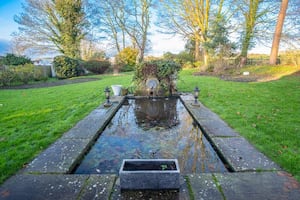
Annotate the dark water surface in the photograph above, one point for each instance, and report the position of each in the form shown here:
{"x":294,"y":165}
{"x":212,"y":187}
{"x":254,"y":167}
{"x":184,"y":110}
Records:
{"x":151,"y":128}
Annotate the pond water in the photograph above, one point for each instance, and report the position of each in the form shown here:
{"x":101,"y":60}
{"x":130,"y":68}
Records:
{"x":151,"y":128}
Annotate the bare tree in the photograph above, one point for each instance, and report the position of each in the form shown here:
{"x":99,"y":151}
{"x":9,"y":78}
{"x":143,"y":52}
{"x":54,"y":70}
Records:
{"x":136,"y":24}
{"x":189,"y":18}
{"x":124,"y":22}
{"x":103,"y":16}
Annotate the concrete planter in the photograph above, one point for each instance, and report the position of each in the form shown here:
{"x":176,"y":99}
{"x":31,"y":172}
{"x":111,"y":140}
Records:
{"x":117,"y":89}
{"x":154,"y":174}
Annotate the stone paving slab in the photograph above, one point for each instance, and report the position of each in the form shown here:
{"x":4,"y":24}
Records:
{"x":246,"y":185}
{"x":259,"y":186}
{"x":242,"y":156}
{"x":60,"y":157}
{"x":204,"y":187}
{"x":210,"y":122}
{"x":62,"y":187}
{"x":98,"y":187}
{"x":37,"y":187}
{"x":91,"y":125}
{"x":181,"y":194}
{"x":213,"y":129}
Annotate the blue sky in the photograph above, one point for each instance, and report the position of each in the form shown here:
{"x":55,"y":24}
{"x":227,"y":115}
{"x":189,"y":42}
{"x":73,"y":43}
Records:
{"x":8,"y":8}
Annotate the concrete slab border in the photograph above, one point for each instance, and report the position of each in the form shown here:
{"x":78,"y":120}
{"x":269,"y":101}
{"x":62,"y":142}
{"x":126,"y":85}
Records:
{"x":254,"y":175}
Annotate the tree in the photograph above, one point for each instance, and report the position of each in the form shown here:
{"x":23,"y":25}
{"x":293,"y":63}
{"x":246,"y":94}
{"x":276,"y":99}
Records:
{"x":255,"y":13}
{"x":47,"y":25}
{"x":136,"y":24}
{"x":278,"y":31}
{"x":103,"y":17}
{"x":250,"y":13}
{"x":191,"y":19}
{"x":218,"y":44}
{"x":124,"y":22}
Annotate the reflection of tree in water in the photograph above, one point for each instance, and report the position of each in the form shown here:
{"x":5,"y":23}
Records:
{"x":194,"y":152}
{"x":123,"y":117}
{"x":156,"y":113}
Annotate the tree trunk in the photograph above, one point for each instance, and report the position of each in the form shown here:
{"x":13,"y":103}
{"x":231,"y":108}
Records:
{"x":197,"y":52}
{"x":205,"y":57}
{"x":278,"y":31}
{"x":245,"y":46}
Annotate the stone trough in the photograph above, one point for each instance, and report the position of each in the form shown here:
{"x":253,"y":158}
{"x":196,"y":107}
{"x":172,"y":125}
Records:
{"x":153,"y":174}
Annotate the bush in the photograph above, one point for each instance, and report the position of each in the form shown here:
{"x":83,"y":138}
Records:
{"x":66,"y":67}
{"x":126,"y":59}
{"x":39,"y":74}
{"x":22,"y":73}
{"x":96,"y":66}
{"x":25,"y":73}
{"x":11,"y":59}
{"x":7,"y":77}
{"x":188,"y":65}
{"x":165,"y":71}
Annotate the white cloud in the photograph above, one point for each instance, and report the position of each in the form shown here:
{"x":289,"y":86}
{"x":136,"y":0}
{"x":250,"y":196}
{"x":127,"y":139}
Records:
{"x":162,"y":43}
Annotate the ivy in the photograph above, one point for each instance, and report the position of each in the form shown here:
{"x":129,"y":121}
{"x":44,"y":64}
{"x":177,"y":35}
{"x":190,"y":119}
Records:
{"x":165,"y":71}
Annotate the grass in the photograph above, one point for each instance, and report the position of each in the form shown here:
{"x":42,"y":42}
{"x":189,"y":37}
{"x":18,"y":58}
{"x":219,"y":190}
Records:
{"x":268,"y":73}
{"x":32,"y":119}
{"x":266,"y":113}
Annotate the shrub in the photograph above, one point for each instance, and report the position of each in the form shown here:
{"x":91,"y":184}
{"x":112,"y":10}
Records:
{"x":188,"y":65}
{"x":66,"y":67}
{"x":96,"y":66}
{"x":7,"y":76}
{"x":11,"y":59}
{"x":126,"y":59}
{"x":39,"y":74}
{"x":164,"y":70}
{"x":25,"y":73}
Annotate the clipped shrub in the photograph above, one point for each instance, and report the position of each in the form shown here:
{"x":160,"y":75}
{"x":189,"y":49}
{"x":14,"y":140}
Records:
{"x":96,"y":66}
{"x":66,"y":67}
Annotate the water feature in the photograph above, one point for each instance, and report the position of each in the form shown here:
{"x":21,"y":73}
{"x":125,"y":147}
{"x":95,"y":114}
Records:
{"x":151,"y":128}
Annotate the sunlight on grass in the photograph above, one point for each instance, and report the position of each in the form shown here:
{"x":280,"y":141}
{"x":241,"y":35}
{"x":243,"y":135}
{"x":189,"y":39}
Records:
{"x":32,"y":119}
{"x":265,"y":113}
{"x":269,"y":73}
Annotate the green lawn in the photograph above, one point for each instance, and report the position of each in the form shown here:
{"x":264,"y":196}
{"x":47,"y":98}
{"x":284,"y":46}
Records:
{"x":267,"y":114}
{"x":32,"y":119}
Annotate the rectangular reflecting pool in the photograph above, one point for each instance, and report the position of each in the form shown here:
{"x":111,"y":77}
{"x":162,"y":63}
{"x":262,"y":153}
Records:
{"x":151,"y":128}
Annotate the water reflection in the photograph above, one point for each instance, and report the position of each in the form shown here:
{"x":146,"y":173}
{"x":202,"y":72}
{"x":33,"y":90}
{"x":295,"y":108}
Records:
{"x":152,"y":129}
{"x":160,"y":113}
